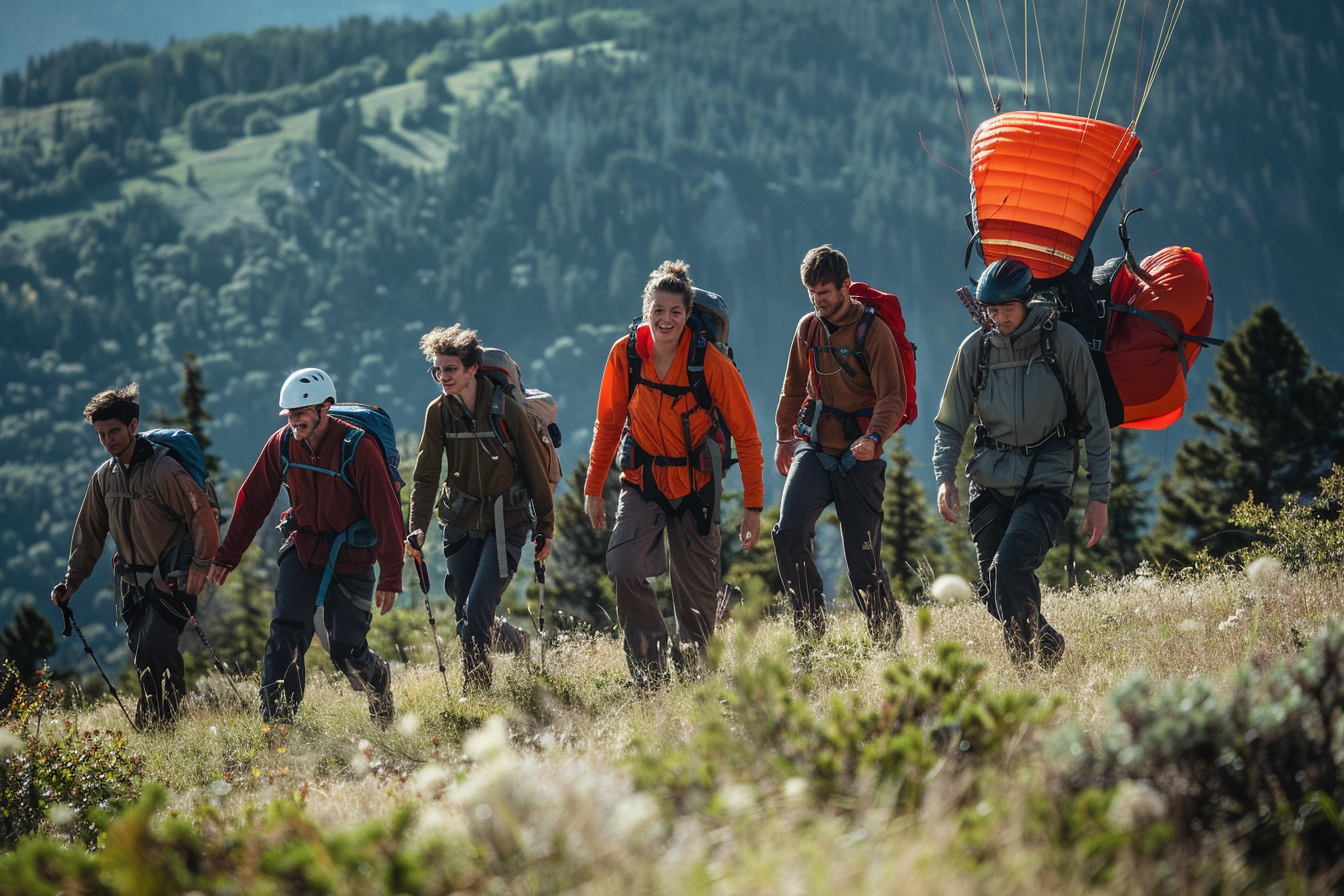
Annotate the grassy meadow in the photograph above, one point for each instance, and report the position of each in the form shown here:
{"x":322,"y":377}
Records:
{"x":789,"y":768}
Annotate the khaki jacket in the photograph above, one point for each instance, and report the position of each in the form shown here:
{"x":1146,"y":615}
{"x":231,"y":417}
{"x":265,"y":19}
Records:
{"x":148,"y":507}
{"x":478,"y":468}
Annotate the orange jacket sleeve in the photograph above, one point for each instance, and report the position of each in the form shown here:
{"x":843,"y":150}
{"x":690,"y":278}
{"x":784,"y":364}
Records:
{"x":612,"y":409}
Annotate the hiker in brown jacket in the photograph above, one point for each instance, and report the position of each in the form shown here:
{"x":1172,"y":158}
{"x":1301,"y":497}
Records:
{"x":495,"y":490}
{"x":165,"y":533}
{"x":835,"y":410}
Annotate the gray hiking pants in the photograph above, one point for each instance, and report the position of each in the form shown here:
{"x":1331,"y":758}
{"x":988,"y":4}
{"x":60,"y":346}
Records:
{"x":347,"y":613}
{"x":635,"y":553}
{"x":816,"y":481}
{"x":1010,"y":543}
{"x":475,"y":585}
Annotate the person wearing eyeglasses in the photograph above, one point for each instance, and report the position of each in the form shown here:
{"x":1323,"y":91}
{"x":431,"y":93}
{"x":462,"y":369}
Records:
{"x":482,"y":489}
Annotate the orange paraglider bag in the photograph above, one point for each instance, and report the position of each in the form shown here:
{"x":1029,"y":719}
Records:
{"x":1149,"y":353}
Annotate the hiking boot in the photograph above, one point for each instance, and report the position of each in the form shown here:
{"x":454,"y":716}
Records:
{"x":382,"y":709}
{"x":1052,"y":648}
{"x":508,"y":638}
{"x":887,"y":632}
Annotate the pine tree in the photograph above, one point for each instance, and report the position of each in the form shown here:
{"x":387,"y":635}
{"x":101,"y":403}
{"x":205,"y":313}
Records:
{"x":1275,"y":424}
{"x":27,"y":641}
{"x":906,"y":527}
{"x":193,"y":415}
{"x":577,"y":584}
{"x":1130,"y":507}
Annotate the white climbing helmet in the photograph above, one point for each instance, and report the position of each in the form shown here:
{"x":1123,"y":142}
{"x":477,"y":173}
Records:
{"x":304,"y":388}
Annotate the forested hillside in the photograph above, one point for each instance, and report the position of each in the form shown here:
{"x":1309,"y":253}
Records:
{"x":323,"y":196}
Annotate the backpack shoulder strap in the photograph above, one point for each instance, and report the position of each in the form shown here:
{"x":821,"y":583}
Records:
{"x":981,"y":367}
{"x":632,"y":360}
{"x":695,"y":370}
{"x":348,"y":446}
{"x":1075,"y":423}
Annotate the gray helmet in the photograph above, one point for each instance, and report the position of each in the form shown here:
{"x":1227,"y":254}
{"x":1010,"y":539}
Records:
{"x":1006,"y":280}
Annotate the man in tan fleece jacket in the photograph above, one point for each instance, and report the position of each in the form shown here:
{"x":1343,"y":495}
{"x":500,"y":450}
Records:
{"x":836,"y":408}
{"x":166,"y":535}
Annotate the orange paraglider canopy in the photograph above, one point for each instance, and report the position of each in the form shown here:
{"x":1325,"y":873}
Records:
{"x":1041,"y":183}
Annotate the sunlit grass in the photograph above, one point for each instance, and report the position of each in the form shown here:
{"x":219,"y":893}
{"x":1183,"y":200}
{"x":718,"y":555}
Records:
{"x":537,"y":774}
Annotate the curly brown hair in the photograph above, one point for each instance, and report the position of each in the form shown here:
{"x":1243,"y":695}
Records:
{"x":456,"y":341}
{"x":115,"y":404}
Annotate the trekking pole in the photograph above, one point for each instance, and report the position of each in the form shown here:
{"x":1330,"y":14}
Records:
{"x":219,"y":664}
{"x":423,"y":572}
{"x":539,"y":576}
{"x":69,"y":623}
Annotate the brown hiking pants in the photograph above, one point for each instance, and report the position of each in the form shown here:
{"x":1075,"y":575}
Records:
{"x":634,"y":554}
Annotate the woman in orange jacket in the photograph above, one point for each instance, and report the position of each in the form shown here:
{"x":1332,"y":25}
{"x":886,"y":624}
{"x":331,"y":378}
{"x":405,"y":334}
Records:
{"x":653,"y":409}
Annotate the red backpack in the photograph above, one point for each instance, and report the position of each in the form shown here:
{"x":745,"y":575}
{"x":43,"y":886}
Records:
{"x":888,"y":307}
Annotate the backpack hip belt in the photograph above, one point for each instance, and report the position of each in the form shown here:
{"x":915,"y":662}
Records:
{"x":359,"y":534}
{"x":1057,"y":440}
{"x":517,"y":496}
{"x":706,"y":457}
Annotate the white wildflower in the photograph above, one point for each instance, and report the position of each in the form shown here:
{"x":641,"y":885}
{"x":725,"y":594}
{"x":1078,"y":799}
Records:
{"x":1136,"y":806}
{"x":61,"y":815}
{"x":489,"y":742}
{"x":408,"y":725}
{"x":1265,"y":572}
{"x":10,"y":743}
{"x":950,"y":588}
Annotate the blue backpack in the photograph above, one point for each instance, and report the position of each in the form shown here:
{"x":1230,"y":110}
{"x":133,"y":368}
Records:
{"x":182,"y":447}
{"x":367,"y":420}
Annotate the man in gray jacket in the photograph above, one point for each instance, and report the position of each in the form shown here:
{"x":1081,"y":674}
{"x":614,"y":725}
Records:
{"x":1031,"y":383}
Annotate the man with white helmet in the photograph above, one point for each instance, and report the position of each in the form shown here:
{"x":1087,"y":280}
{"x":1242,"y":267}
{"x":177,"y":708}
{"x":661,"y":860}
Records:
{"x":323,"y":508}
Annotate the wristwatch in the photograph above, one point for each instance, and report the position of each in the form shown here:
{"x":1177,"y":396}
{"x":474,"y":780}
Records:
{"x":877,"y":440}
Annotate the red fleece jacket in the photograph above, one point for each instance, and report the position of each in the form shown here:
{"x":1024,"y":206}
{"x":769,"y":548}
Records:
{"x":323,"y":506}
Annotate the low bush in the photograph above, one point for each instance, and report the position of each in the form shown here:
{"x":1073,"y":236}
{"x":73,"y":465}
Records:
{"x":761,"y":730}
{"x":1258,"y":767}
{"x":56,"y":775}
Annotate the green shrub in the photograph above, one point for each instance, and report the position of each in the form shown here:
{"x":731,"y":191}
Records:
{"x":1301,"y":534}
{"x":1261,"y":764}
{"x":761,"y":729}
{"x":64,"y":780}
{"x":274,"y":850}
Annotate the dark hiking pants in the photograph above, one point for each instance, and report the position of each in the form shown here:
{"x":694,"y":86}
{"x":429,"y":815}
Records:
{"x":154,"y":625}
{"x":634,"y":554}
{"x":815,"y":482}
{"x":475,"y":585}
{"x":1010,"y":543}
{"x":347,"y":613}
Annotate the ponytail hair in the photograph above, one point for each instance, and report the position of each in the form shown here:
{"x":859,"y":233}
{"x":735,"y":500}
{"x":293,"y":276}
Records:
{"x":673,"y":277}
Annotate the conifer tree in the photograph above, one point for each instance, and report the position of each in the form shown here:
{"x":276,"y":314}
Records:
{"x":193,"y":415}
{"x":576,"y":582}
{"x":1127,"y":517}
{"x":26,"y":642}
{"x":1275,"y":422}
{"x":906,"y":527}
